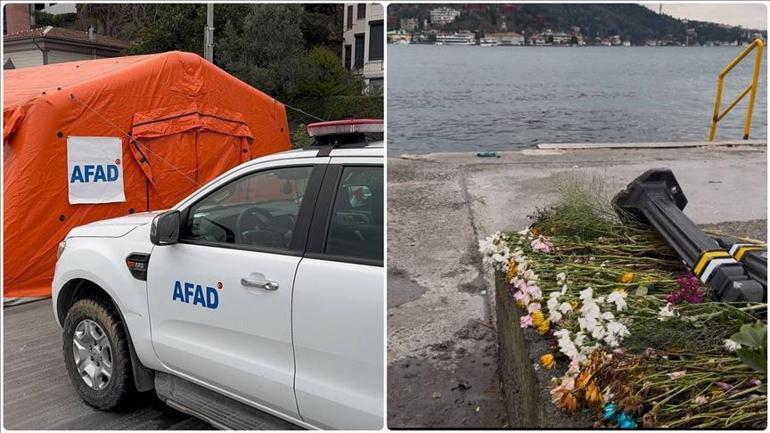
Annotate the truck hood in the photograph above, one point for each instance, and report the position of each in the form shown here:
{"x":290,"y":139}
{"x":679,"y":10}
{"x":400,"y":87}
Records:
{"x":113,"y":228}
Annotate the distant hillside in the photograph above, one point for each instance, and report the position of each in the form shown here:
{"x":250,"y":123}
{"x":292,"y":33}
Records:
{"x":635,"y":23}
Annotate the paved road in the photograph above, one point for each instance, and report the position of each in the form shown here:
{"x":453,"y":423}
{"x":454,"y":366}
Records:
{"x":442,"y":366}
{"x":38,"y":394}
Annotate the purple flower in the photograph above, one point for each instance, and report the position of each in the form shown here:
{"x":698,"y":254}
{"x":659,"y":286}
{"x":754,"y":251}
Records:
{"x":688,"y":290}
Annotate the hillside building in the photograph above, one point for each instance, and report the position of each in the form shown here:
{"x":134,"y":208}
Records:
{"x":409,"y":25}
{"x":443,"y":15}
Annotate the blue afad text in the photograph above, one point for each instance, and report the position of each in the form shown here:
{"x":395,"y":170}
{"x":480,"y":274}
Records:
{"x":89,"y":173}
{"x":195,"y":294}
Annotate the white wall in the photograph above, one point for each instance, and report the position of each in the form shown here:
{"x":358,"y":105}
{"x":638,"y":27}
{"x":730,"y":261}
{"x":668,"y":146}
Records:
{"x":64,"y":56}
{"x":24,"y":59}
{"x":60,"y":8}
{"x":374,"y":12}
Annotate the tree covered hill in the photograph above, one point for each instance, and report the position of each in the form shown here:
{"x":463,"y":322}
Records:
{"x":632,"y":22}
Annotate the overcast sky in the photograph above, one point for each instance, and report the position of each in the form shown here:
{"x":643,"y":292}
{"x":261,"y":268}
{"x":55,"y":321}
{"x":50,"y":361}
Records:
{"x":747,"y":15}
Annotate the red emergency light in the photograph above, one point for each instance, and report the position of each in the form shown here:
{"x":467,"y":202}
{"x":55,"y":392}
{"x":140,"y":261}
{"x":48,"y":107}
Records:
{"x":347,"y":126}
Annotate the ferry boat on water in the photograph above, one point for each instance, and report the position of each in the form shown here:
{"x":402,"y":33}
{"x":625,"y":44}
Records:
{"x":466,"y":38}
{"x":489,"y":42}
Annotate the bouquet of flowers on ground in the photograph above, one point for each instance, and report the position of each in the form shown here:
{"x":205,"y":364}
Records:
{"x":637,"y":339}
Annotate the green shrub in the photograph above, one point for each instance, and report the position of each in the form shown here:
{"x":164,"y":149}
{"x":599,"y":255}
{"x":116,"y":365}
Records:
{"x":300,"y":137}
{"x":66,"y":20}
{"x":338,"y":107}
{"x":322,"y":74}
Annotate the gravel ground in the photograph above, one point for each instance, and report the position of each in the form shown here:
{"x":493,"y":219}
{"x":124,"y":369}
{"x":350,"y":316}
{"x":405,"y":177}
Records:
{"x":754,"y":229}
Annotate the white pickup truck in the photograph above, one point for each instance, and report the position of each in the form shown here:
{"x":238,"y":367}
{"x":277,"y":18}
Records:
{"x":257,"y":300}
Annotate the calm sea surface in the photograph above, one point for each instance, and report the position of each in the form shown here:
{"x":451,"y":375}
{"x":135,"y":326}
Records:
{"x":469,"y":98}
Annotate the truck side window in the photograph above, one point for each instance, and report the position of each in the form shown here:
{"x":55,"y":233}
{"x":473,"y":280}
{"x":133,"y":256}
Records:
{"x":356,"y":229}
{"x":257,"y":210}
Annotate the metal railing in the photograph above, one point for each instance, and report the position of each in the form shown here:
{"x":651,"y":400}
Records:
{"x":751,"y":90}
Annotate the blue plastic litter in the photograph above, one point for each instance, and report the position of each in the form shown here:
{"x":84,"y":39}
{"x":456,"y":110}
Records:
{"x":488,"y":155}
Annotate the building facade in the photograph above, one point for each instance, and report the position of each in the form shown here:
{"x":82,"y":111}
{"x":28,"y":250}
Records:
{"x":48,"y":45}
{"x":363,"y":46}
{"x":18,"y":17}
{"x":507,"y":38}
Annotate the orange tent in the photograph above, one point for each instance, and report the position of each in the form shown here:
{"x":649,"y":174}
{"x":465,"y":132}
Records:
{"x":190,"y":122}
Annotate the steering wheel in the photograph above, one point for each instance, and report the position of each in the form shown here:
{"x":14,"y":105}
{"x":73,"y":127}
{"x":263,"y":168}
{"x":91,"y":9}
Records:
{"x":250,"y":219}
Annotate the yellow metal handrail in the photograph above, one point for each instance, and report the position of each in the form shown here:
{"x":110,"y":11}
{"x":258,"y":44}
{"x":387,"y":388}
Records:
{"x":751,"y":90}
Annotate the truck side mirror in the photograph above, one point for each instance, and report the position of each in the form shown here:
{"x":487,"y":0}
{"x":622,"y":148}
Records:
{"x":165,"y":228}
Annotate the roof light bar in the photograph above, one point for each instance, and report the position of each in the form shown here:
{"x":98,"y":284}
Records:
{"x":348,"y":126}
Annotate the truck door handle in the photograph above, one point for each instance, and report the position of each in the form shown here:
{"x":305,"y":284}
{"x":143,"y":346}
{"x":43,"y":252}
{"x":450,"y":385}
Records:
{"x":259,"y":281}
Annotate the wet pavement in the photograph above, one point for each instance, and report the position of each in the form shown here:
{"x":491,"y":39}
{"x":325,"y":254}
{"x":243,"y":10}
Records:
{"x":442,"y":352}
{"x":38,"y":394}
{"x":442,"y":367}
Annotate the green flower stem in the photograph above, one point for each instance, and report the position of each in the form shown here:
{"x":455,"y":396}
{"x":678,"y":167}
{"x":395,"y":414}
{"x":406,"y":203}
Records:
{"x":692,"y":340}
{"x":757,"y":416}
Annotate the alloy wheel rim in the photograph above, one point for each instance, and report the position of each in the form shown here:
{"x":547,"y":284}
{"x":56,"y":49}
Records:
{"x":92,"y":354}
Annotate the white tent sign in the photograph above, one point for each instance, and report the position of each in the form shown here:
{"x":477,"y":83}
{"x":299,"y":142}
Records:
{"x":95,"y":170}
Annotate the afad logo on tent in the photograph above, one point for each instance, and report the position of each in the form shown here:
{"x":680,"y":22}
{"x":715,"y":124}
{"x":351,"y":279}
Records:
{"x":95,"y":172}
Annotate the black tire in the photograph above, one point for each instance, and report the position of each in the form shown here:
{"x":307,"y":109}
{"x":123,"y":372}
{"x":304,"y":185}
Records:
{"x":120,"y":387}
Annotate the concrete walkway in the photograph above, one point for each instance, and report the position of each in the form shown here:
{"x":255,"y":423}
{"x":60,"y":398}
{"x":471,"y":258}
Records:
{"x":442,"y":368}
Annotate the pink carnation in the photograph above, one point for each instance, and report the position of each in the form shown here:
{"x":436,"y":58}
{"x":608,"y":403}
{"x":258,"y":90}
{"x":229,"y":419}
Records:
{"x":541,"y":244}
{"x":521,"y":296}
{"x":534,"y":291}
{"x":533,"y":307}
{"x":525,"y":321}
{"x":519,"y":284}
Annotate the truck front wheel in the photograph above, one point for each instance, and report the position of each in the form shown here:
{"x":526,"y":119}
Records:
{"x":96,"y":354}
